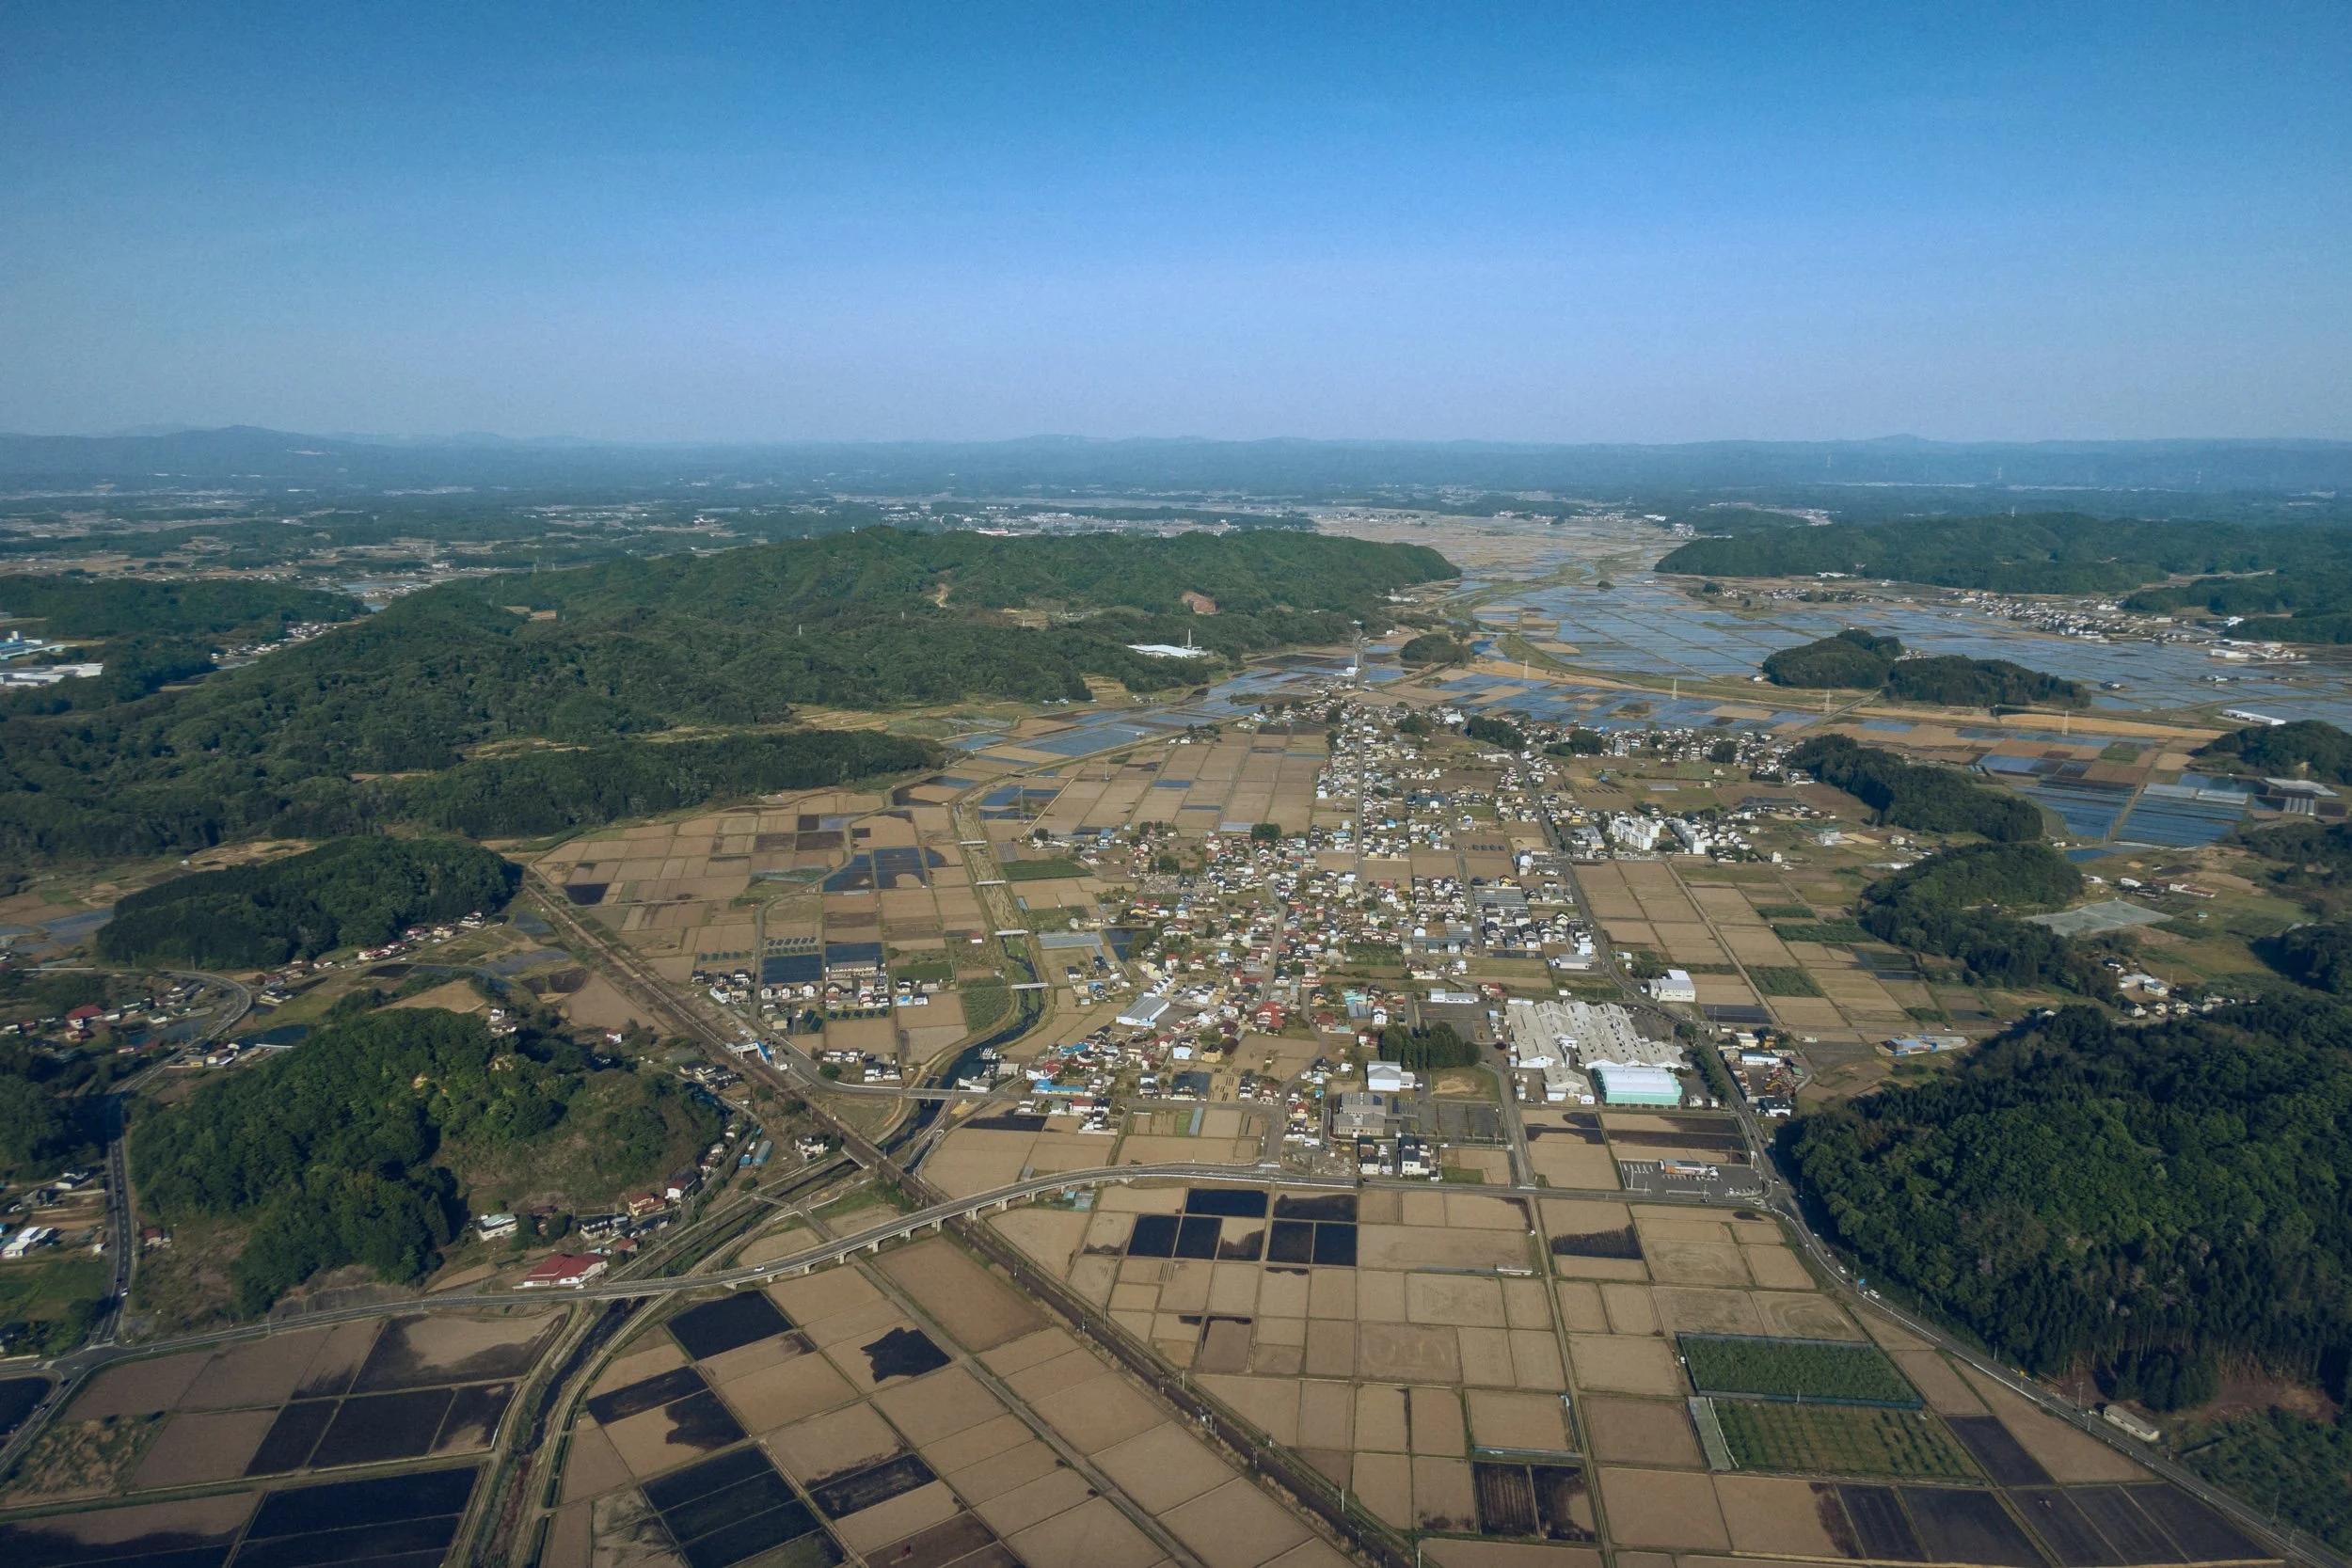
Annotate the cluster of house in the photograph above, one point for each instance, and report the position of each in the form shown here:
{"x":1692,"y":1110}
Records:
{"x":843,"y":978}
{"x":1363,"y":1119}
{"x":26,"y":1240}
{"x":709,"y":1077}
{"x":2097,"y":621}
{"x":614,"y":1237}
{"x":419,"y":936}
{"x":863,"y":1067}
{"x":299,"y":631}
{"x":30,"y":1238}
{"x":1077,"y":1079}
{"x":80,"y":1024}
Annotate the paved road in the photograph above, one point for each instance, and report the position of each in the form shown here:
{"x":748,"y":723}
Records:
{"x":831,"y":1251}
{"x":122,"y":1234}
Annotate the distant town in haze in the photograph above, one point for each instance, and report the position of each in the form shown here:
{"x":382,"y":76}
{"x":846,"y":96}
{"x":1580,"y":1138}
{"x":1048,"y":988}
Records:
{"x":1483,"y":920}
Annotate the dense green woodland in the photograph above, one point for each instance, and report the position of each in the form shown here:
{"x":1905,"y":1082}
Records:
{"x":120,"y":607}
{"x":2295,"y":1469}
{"x":353,"y":893}
{"x":1963,"y":904}
{"x":1496,"y":731}
{"x":1427,"y":1050}
{"x":2311,"y":605}
{"x":1433,"y":647}
{"x":150,"y":634}
{"x":1925,"y":796}
{"x":732,"y":640}
{"x":347,"y":1149}
{"x":548,"y":791}
{"x":2319,"y":956}
{"x":1853,"y":660}
{"x":1957,"y":682}
{"x":1859,"y":660}
{"x":2304,"y":748}
{"x":2150,"y":1202}
{"x":45,"y":1121}
{"x":2047,"y":552}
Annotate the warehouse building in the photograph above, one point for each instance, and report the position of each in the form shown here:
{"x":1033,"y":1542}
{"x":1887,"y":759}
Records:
{"x":1637,"y":1085}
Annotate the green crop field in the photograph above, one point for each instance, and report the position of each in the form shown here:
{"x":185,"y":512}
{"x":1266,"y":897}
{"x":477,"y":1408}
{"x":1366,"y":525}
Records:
{"x":986,"y":1005}
{"x":1044,"y":871}
{"x":44,"y":1285}
{"x":1783,"y":980}
{"x":1799,"y":1370}
{"x":54,"y":1295}
{"x":1832,"y":933}
{"x":1841,"y":1440}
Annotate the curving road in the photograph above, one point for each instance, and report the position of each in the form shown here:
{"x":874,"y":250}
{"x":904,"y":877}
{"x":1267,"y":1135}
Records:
{"x":868,"y":1239}
{"x":121,"y":1219}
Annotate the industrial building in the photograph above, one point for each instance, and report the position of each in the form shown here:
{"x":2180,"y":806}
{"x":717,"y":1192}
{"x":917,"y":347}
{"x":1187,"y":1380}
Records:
{"x":1143,"y":1012}
{"x":1564,"y":1084}
{"x":1582,"y":1032}
{"x":1360,"y":1114}
{"x":1637,"y":1085}
{"x":1921,"y":1045}
{"x":1569,"y":1042}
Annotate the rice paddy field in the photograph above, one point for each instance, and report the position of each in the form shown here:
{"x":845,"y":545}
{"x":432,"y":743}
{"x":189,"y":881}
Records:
{"x":248,"y":1453}
{"x":911,"y":1409}
{"x":1497,"y":1378}
{"x":406,"y":1388}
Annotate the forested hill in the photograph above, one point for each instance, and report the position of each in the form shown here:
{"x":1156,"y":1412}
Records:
{"x":353,"y":1148}
{"x":150,"y":632}
{"x":2303,"y":748}
{"x":2151,"y":1202}
{"x":2050,"y":553}
{"x":728,"y":642}
{"x":1859,"y":660}
{"x":120,"y":607}
{"x":353,"y":892}
{"x":885,"y":570}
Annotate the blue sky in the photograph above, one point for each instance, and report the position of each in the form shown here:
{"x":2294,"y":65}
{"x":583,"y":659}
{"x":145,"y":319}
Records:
{"x":1639,"y":222}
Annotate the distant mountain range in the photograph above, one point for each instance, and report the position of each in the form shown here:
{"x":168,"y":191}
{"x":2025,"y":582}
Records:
{"x":246,"y":457}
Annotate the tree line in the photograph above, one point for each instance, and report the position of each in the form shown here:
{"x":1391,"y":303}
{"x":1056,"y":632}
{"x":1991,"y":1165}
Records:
{"x":2047,"y":552}
{"x":1858,"y":659}
{"x":353,"y":892}
{"x":1963,"y":904}
{"x":1427,"y":1049}
{"x":2302,"y":748}
{"x":1925,"y":796}
{"x":70,"y":606}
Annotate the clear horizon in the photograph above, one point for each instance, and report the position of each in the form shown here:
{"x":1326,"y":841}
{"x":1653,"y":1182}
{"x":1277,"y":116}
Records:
{"x":2091,"y":222}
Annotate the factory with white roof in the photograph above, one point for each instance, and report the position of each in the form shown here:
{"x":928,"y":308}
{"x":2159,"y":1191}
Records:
{"x":1588,"y":1052}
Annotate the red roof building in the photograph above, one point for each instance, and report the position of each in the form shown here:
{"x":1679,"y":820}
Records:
{"x":566,"y":1269}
